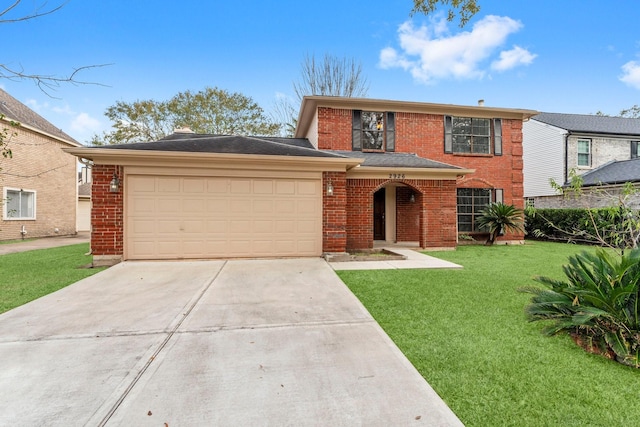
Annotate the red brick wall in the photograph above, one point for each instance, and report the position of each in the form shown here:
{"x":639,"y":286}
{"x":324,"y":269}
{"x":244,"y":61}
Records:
{"x":407,"y":215}
{"x":334,"y":213}
{"x":334,"y":129}
{"x":107,"y":212}
{"x":435,"y":206}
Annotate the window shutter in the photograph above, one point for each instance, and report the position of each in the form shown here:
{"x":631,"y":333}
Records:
{"x":634,"y":149}
{"x":498,"y":195}
{"x":448,"y":134}
{"x":356,"y":141}
{"x":497,"y":137}
{"x":391,"y":132}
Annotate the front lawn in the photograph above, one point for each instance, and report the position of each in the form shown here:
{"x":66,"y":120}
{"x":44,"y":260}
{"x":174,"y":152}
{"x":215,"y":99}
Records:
{"x":26,"y":276}
{"x":465,"y":331}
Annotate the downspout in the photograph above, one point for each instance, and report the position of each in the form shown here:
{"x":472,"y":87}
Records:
{"x":566,"y":157}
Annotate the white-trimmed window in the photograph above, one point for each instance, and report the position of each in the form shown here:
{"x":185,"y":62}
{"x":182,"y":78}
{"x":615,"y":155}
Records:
{"x":584,"y":152}
{"x":18,"y":203}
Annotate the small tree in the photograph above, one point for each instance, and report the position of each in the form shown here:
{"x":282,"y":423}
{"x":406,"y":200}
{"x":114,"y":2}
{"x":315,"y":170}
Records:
{"x":498,"y":218}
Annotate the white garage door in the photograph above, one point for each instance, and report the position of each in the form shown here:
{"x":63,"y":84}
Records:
{"x":172,"y":217}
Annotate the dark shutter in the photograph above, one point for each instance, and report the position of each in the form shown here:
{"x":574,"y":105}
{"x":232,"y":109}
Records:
{"x":391,"y":132}
{"x":634,"y":149}
{"x":497,"y":137}
{"x":356,"y":141}
{"x":448,"y":134}
{"x":498,"y":195}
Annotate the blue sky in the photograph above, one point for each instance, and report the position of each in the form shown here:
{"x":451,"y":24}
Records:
{"x":570,"y":56}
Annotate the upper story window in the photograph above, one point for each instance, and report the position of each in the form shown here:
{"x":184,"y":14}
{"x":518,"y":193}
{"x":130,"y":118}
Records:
{"x":584,"y":152}
{"x":471,"y":135}
{"x":19,"y":204}
{"x":635,"y":149}
{"x":373,"y":131}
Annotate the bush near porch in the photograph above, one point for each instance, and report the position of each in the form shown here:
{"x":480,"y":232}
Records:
{"x":466,"y":332}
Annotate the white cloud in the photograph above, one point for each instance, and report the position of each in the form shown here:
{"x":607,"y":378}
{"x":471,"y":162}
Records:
{"x":83,"y":122}
{"x":430,"y":52}
{"x":631,"y":74}
{"x":512,"y":58}
{"x":35,"y":105}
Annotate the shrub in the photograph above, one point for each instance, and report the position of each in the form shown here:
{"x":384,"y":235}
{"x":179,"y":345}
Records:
{"x":598,"y":304}
{"x":498,"y":218}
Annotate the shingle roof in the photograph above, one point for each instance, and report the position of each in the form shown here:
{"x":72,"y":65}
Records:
{"x":14,"y":110}
{"x":230,"y":144}
{"x":394,"y":160}
{"x":614,"y":172}
{"x":591,"y":123}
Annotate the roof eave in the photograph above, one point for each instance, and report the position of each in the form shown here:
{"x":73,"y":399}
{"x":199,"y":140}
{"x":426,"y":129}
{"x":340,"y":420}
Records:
{"x":401,"y":173}
{"x":311,"y":103}
{"x":126,"y":157}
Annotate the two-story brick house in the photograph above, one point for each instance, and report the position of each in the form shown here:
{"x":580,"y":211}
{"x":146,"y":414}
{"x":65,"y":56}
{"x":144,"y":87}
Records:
{"x":357,"y":171}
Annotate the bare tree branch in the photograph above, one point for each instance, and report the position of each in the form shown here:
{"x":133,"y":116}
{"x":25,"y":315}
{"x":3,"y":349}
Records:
{"x":45,"y":83}
{"x":33,"y":15}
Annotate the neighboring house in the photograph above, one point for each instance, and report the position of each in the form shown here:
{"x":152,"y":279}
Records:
{"x":38,"y":183}
{"x":556,"y":144}
{"x":358,"y":172}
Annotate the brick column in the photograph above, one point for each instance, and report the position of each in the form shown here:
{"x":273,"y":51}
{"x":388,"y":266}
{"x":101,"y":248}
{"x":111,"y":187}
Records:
{"x":334,"y":212}
{"x":107,"y":215}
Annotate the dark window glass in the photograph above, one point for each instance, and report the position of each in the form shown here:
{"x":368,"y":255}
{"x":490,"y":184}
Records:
{"x":471,"y":135}
{"x":471,"y":203}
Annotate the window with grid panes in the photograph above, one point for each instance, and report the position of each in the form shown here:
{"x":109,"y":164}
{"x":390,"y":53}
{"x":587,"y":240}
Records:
{"x":471,"y":203}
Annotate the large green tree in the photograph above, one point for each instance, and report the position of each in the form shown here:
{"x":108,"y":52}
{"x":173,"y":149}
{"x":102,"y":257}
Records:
{"x":464,"y":9}
{"x":211,"y":111}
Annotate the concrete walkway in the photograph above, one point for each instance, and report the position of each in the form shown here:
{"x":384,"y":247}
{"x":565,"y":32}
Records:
{"x":44,"y":243}
{"x":224,"y":343}
{"x":414,"y":260}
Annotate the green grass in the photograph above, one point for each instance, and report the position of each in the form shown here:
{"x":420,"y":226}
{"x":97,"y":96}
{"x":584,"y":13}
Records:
{"x":465,"y":331}
{"x":26,"y":276}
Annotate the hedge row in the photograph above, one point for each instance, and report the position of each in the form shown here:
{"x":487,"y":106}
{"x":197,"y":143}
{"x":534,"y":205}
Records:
{"x":574,"y":225}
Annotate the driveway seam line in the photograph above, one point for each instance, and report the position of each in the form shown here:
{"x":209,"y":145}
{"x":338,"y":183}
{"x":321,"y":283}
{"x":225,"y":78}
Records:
{"x":161,"y":347}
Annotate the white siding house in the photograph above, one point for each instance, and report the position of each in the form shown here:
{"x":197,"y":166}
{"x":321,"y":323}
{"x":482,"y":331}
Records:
{"x":554,"y":144}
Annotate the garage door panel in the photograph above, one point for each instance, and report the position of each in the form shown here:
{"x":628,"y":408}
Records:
{"x":262,"y":226}
{"x":218,"y":185}
{"x":194,"y":185}
{"x":262,"y":207}
{"x":240,"y":186}
{"x":221,"y":217}
{"x":168,"y":205}
{"x":239,"y":206}
{"x":310,"y":188}
{"x":263,"y":187}
{"x":168,"y":185}
{"x":286,"y":187}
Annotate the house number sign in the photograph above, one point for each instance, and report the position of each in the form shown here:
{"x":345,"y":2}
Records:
{"x":396,"y":176}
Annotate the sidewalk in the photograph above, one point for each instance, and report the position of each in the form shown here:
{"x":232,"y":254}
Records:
{"x":45,"y":243}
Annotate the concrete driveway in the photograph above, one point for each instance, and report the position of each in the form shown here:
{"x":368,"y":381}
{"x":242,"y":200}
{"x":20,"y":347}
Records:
{"x":225,"y":343}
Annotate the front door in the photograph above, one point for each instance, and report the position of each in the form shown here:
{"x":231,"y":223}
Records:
{"x":378,"y":215}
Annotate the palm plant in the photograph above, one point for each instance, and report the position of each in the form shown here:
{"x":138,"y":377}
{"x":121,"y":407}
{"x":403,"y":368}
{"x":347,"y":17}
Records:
{"x":600,"y":302}
{"x":498,"y":218}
